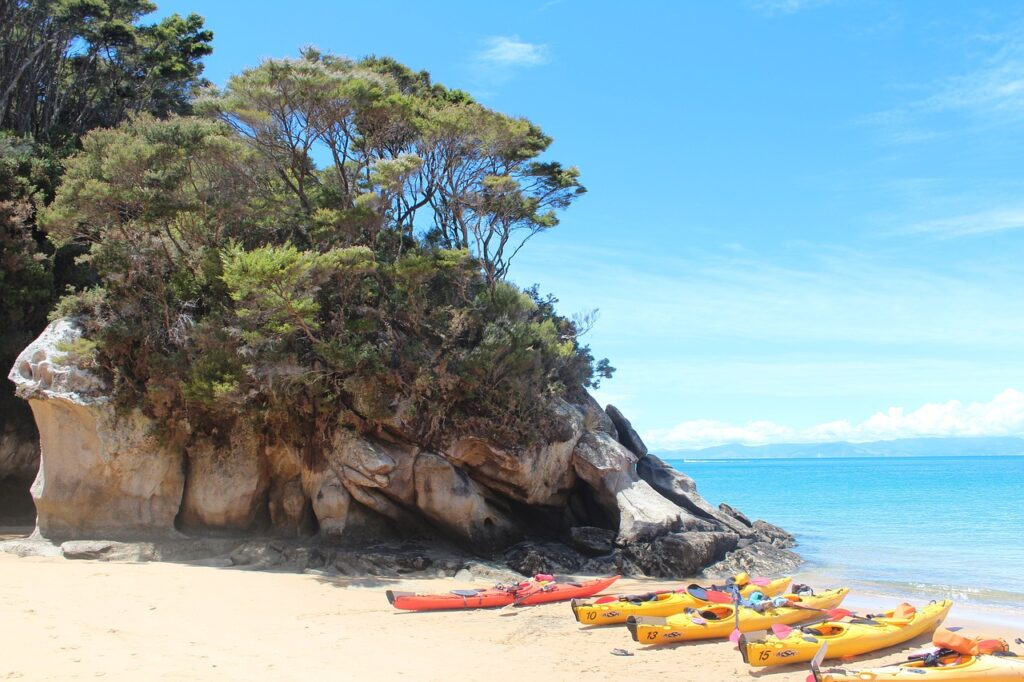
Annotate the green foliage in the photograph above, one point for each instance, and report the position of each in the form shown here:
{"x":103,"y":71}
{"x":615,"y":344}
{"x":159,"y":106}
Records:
{"x":405,"y":153}
{"x":237,"y":279}
{"x":275,"y":287}
{"x":68,"y":66}
{"x":81,"y":352}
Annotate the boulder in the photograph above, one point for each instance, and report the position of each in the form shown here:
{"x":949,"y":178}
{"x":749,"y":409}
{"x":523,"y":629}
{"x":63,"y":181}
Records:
{"x":30,"y":546}
{"x":604,"y":464}
{"x":531,"y":558}
{"x":107,"y":550}
{"x":766,"y":532}
{"x":735,"y":513}
{"x":460,"y":506}
{"x":608,"y":468}
{"x":101,"y":474}
{"x":626,"y":434}
{"x":541,"y":475}
{"x":758,"y":558}
{"x":680,"y":555}
{"x":680,"y":488}
{"x":226,"y":485}
{"x":591,"y":541}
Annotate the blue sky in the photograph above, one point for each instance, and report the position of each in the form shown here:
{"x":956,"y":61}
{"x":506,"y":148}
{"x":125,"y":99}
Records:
{"x":805,"y":218}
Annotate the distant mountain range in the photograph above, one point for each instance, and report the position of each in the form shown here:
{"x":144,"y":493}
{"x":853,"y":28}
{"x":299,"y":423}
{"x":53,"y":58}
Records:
{"x":904,"y":447}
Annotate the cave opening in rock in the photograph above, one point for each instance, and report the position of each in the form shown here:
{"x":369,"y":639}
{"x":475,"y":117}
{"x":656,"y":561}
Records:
{"x":16,"y":505}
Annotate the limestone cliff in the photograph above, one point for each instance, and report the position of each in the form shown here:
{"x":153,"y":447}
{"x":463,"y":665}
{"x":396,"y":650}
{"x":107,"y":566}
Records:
{"x":108,"y":474}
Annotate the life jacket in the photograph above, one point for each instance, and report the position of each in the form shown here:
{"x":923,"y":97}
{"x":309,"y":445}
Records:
{"x":968,"y":643}
{"x":903,"y":612}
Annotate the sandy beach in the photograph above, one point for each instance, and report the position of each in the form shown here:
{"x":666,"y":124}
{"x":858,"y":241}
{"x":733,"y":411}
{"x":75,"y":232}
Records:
{"x":80,"y":620}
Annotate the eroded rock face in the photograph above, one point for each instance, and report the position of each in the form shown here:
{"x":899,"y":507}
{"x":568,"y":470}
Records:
{"x":100,"y":474}
{"x":541,"y":475}
{"x":593,"y":486}
{"x":330,"y":501}
{"x":450,"y":498}
{"x":609,"y":468}
{"x":226,"y":486}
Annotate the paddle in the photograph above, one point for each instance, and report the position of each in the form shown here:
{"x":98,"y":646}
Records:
{"x":704,"y":594}
{"x":815,"y":675}
{"x":735,"y":635}
{"x":761,"y":582}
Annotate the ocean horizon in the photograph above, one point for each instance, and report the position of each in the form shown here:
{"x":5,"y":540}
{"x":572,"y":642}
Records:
{"x":919,"y":528}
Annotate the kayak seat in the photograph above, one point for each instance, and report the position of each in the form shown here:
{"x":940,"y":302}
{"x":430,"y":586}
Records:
{"x":824,"y":630}
{"x":714,"y":614}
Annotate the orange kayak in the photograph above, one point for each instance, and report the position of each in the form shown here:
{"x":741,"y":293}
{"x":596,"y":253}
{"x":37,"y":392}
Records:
{"x":529,"y":593}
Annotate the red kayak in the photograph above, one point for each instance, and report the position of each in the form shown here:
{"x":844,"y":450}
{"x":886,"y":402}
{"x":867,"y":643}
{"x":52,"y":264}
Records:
{"x":527,"y":593}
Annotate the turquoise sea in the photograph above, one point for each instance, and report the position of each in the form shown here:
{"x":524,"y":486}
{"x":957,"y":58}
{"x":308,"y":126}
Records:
{"x":920,"y":527}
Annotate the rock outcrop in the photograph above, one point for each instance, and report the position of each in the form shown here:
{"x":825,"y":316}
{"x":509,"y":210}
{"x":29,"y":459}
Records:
{"x":591,"y":498}
{"x":99,"y":472}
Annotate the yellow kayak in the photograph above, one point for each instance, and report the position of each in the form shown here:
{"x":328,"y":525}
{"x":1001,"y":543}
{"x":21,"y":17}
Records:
{"x":845,"y":637}
{"x":958,"y":654}
{"x":988,"y":667}
{"x":719,"y":620}
{"x":601,"y":612}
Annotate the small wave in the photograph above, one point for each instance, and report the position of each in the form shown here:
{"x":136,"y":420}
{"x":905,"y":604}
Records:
{"x":958,"y":593}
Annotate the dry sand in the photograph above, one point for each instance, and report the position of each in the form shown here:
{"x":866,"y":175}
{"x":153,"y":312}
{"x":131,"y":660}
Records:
{"x":65,"y":619}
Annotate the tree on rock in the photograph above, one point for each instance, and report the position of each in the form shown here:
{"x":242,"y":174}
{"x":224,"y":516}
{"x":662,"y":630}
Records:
{"x":404,"y":155}
{"x":326,"y":243}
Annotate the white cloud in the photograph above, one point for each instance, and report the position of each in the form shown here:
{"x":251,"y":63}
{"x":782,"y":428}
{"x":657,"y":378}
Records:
{"x":991,"y":93}
{"x":787,"y":6}
{"x":1002,"y":416}
{"x":506,"y":51}
{"x":982,"y":222}
{"x":995,"y":88}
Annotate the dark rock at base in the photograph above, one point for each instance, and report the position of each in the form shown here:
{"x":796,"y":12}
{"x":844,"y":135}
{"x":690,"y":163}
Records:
{"x":477,"y":571}
{"x":259,"y":555}
{"x":108,"y":550}
{"x":766,"y":532}
{"x":735,"y":513}
{"x":396,"y":560}
{"x":592,"y":541}
{"x":759,"y":558}
{"x":627,"y":435}
{"x":30,"y":546}
{"x":531,"y":558}
{"x":679,"y":555}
